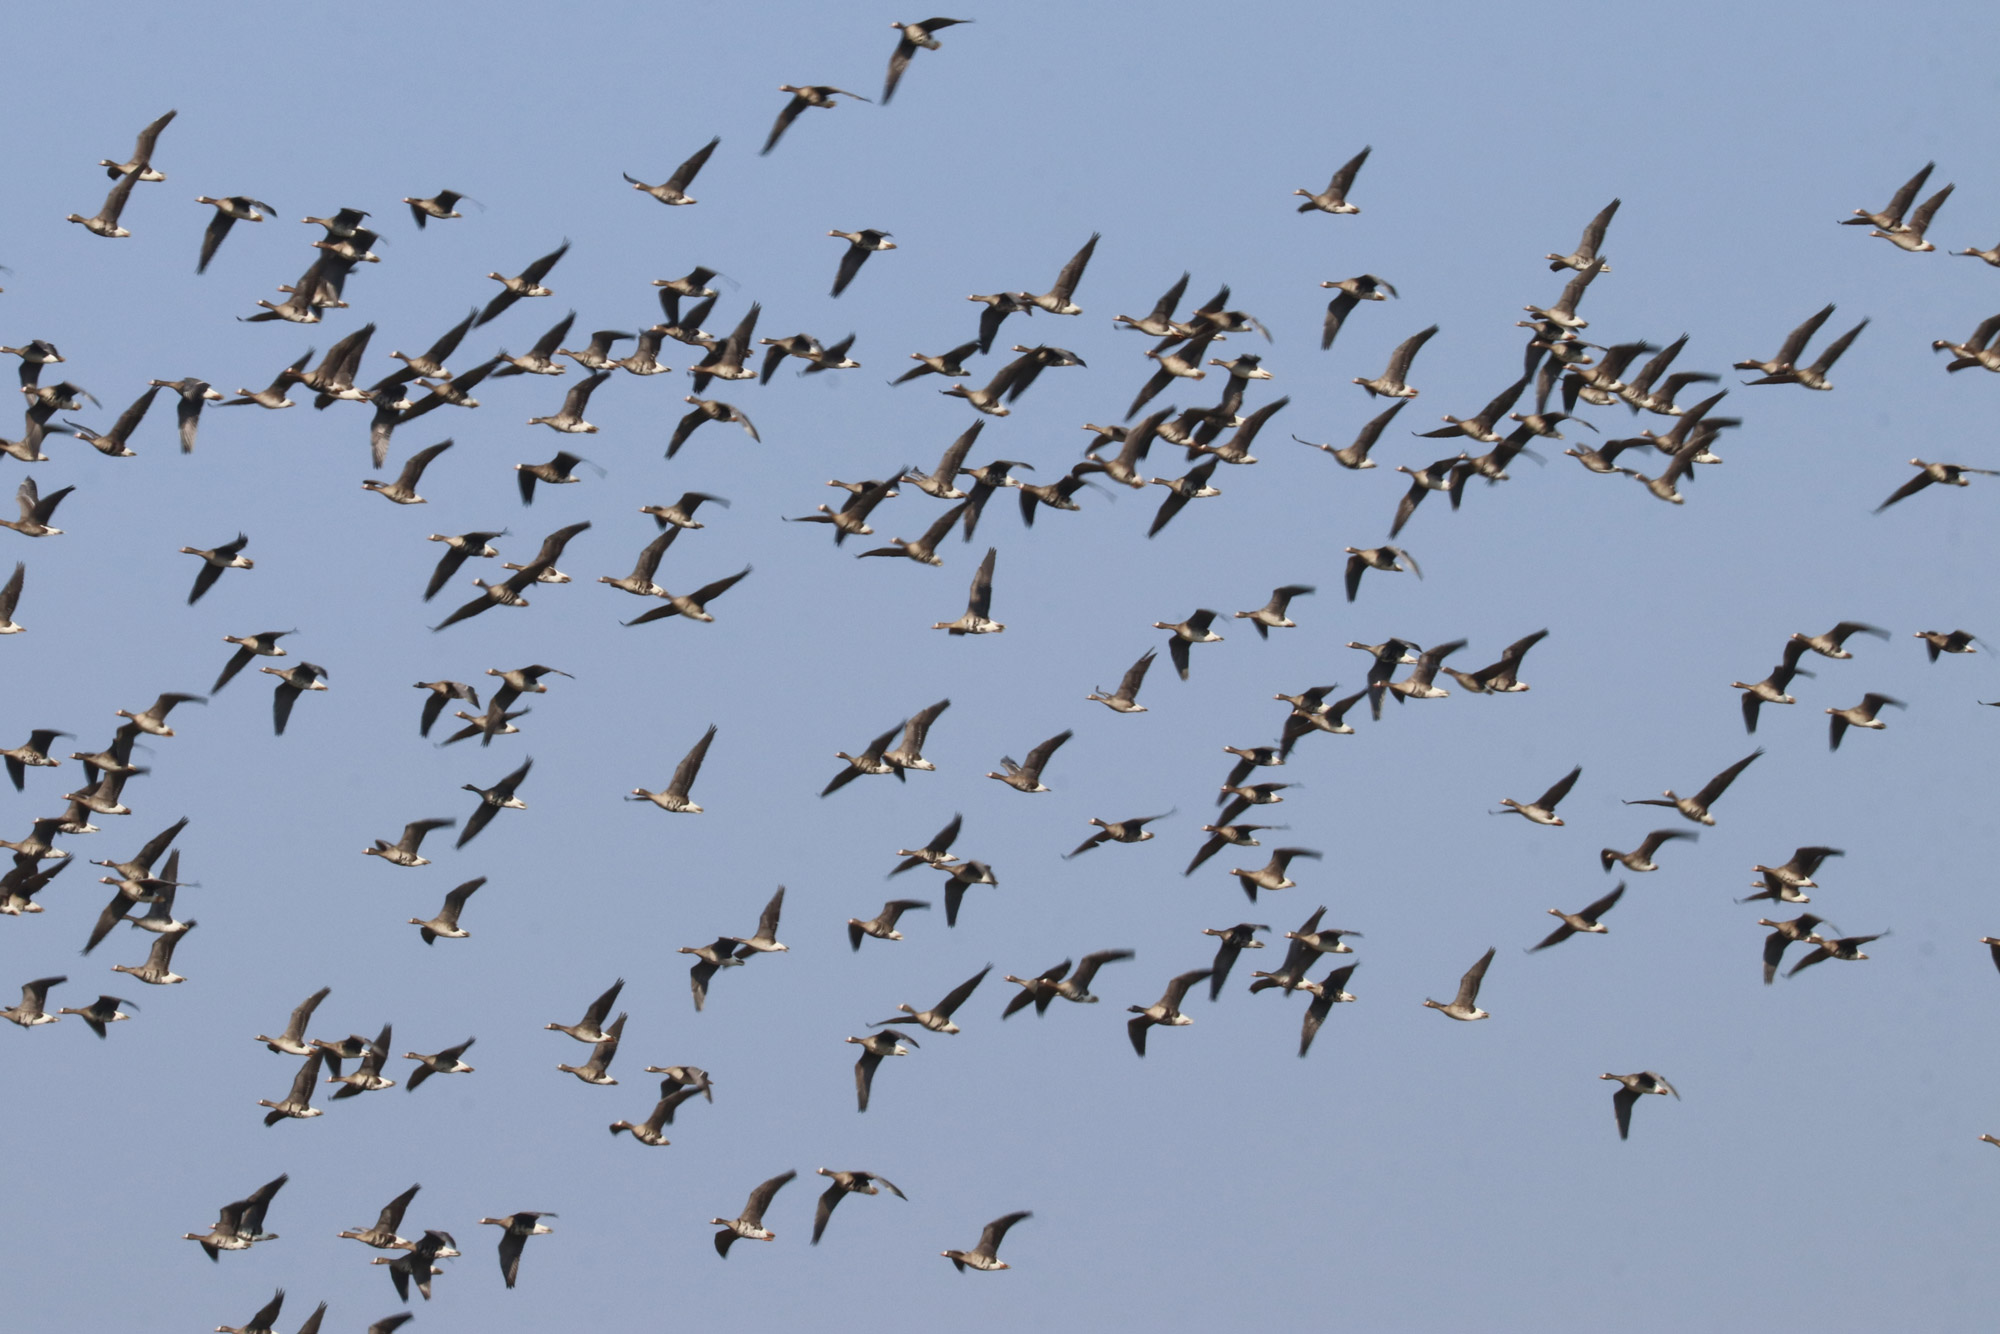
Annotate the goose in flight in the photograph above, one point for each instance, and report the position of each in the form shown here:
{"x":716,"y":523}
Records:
{"x":1542,"y":810}
{"x":10,"y":598}
{"x":1465,"y":1005}
{"x":1333,"y":199}
{"x":693,"y":605}
{"x":297,"y":1103}
{"x":675,"y":798}
{"x":528,"y":283}
{"x":241,"y":1222}
{"x":1584,"y":919}
{"x":977,"y":619}
{"x":1771,"y":690}
{"x":985,"y":1256}
{"x":105,"y":222}
{"x":1910,"y":235}
{"x":1119,"y":831}
{"x":1847,"y":948}
{"x":1899,"y":203}
{"x":1641,"y":857}
{"x":442,"y":206}
{"x":34,"y":996}
{"x":1126,"y":698}
{"x":1799,"y":930}
{"x":1392,"y":382}
{"x":596,"y":1070}
{"x":36,"y":510}
{"x":1947,"y":474}
{"x":938,"y":1018}
{"x":882,"y":926}
{"x":292,"y":682}
{"x":492,"y":800}
{"x":845,"y":1184}
{"x":1696,"y":807}
{"x":570,"y":421}
{"x":404,"y":852}
{"x":1630,"y":1089}
{"x":1361,"y":560}
{"x":860,"y":245}
{"x":937,"y":852}
{"x":1861,"y":715}
{"x":909,"y":36}
{"x":749,"y":1225}
{"x":811,"y":95}
{"x":673,"y":190}
{"x":1027,"y":776}
{"x":228,"y":556}
{"x":1164,"y":1012}
{"x":873,"y":1048}
{"x":383,"y":1235}
{"x":515,"y":1229}
{"x":1832,"y":643}
{"x":100,"y":1012}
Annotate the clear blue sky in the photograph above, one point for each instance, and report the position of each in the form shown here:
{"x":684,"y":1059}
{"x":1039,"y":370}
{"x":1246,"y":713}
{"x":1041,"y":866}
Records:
{"x":1413,"y":1173}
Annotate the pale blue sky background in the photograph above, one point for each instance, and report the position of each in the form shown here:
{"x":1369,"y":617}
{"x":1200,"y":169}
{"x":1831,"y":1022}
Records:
{"x":1412,"y":1173}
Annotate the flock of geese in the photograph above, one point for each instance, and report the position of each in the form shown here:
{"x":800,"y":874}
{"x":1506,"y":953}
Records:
{"x":1561,"y":372}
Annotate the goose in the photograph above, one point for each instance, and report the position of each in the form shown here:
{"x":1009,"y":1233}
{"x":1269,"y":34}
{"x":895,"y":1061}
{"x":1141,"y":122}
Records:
{"x":158,"y":968}
{"x":749,"y":1225}
{"x":492,"y":800}
{"x":999,"y":305}
{"x":1935,"y":641}
{"x":990,"y":400}
{"x":681,"y":513}
{"x":1075,"y":987}
{"x":1120,"y":831}
{"x":36,"y":510}
{"x":262,"y":644}
{"x":140,"y":165}
{"x":909,"y":36}
{"x":33,"y":753}
{"x":539,"y":570}
{"x":1585,"y":253}
{"x":1417,"y":685}
{"x":1832,"y":643}
{"x":1333,"y":199}
{"x":935,"y":853}
{"x":723,"y":952}
{"x":367,"y":1077}
{"x":1479,"y":426}
{"x":1799,"y":930}
{"x":1231,"y":941}
{"x":1326,"y":993}
{"x":1194,"y":630}
{"x":1391,"y":383}
{"x":404,"y":851}
{"x":1290,"y":975}
{"x":1310,"y":713}
{"x":519,"y":681}
{"x":849,"y":1183}
{"x":1696,"y":807}
{"x":1771,"y":690}
{"x":273,"y":396}
{"x":30,"y":1012}
{"x":36,"y":846}
{"x":640,"y":581}
{"x":1193,"y":486}
{"x":873,"y":1048}
{"x":1638,"y":393}
{"x":1355,"y":456}
{"x":938,"y":1018}
{"x":516,"y":1228}
{"x":1798,"y":872}
{"x":442,"y":693}
{"x":104,"y":1010}
{"x":943,"y":483}
{"x":539,"y":359}
{"x":673,"y":190}
{"x":1910,"y":235}
{"x":694,"y":286}
{"x":1584,"y":919}
{"x":262,"y":1322}
{"x":811,"y":95}
{"x":675,"y":797}
{"x":961,"y":876}
{"x":228,"y":556}
{"x":20,"y":885}
{"x":1563,"y":312}
{"x":1134,"y":443}
{"x":292,"y":682}
{"x":442,"y":206}
{"x":1990,"y":256}
{"x":1899,"y":203}
{"x":297,"y":1103}
{"x":595,"y":1070}
{"x":114,"y":442}
{"x":1861,"y":715}
{"x":350,"y":1048}
{"x":292,"y":1042}
{"x":597,"y":355}
{"x":1183,"y":362}
{"x":1165,"y":1012}
{"x":693,"y":605}
{"x":1226,"y":835}
{"x":241,"y":1222}
{"x":496,"y":721}
{"x":725,"y":359}
{"x":1353,"y":291}
{"x":851,"y":519}
{"x":766,"y":939}
{"x":1789,"y":351}
{"x":1126,"y":698}
{"x":979,"y":603}
{"x":645,"y":358}
{"x":1949,"y":474}
{"x":1464,"y":1006}
{"x":651,"y":1131}
{"x":882,"y":926}
{"x":1159,"y":323}
{"x":1027,"y":777}
{"x":527,"y":284}
{"x":1847,"y":948}
{"x":1503,"y":677}
{"x":1978,"y":350}
{"x":1814,"y":376}
{"x":1271,"y":876}
{"x":1037,"y":991}
{"x":383,"y":1236}
{"x":569,"y":420}
{"x":985,"y":1256}
{"x":1389,"y":558}
{"x":417,"y":1263}
{"x":1632,"y":1086}
{"x":446,"y":922}
{"x":1663,"y":486}
{"x":1058,"y":299}
{"x":924,"y":549}
{"x":909,"y":752}
{"x":1271,"y":616}
{"x":10,"y":598}
{"x":1060,"y":494}
{"x":949,"y":364}
{"x":860,"y":245}
{"x":590,"y":1027}
{"x":1641,"y":857}
{"x":105,"y":222}
{"x":1542,"y":810}
{"x":459,"y":548}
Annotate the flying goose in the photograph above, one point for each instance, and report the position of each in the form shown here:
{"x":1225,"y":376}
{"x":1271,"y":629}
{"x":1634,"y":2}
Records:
{"x":194,"y":394}
{"x":1465,"y":1005}
{"x":725,"y":359}
{"x":935,"y":853}
{"x":1641,"y":857}
{"x":31,"y":753}
{"x":1935,"y":641}
{"x":1978,"y":350}
{"x":651,"y":1131}
{"x":645,"y":358}
{"x":938,"y":1018}
{"x":673,"y":190}
{"x":675,"y":797}
{"x":1391,"y":383}
{"x":595,"y":1070}
{"x":10,"y":598}
{"x":1696,"y":807}
{"x":1584,"y":919}
{"x":1910,"y":235}
{"x":383,"y":1236}
{"x":114,"y":442}
{"x":693,"y":605}
{"x":516,"y":1228}
{"x":1231,"y":941}
{"x":416,"y":1264}
{"x":292,"y":682}
{"x":492,"y":800}
{"x":882,"y":926}
{"x":1846,"y":947}
{"x":1563,"y":312}
{"x":36,"y":510}
{"x":1271,"y":616}
{"x":860,"y":245}
{"x":1271,"y":876}
{"x":1436,"y":476}
{"x":1159,"y":323}
{"x":873,"y":1048}
{"x":979,"y":604}
{"x":367,"y":1077}
{"x":708,"y":410}
{"x":985,"y":1256}
{"x":1225,"y":835}
{"x":1326,"y":993}
{"x":1384,"y":557}
{"x":1165,"y":1012}
{"x":25,"y":880}
{"x":262,"y":644}
{"x":1542,"y":810}
{"x":1899,"y":203}
{"x":1061,"y":981}
{"x":1194,"y":630}
{"x":1027,"y":777}
{"x":1125,"y":698}
{"x":750,"y":1223}
{"x":539,"y":359}
{"x":528,"y":283}
{"x":1771,"y":690}
{"x":1861,"y":715}
{"x":496,"y":721}
{"x":442,"y":693}
{"x":241,"y":1222}
{"x":261,"y":1323}
{"x":139,"y":166}
{"x":1798,"y":872}
{"x":1193,"y":486}
{"x":909,"y":752}
{"x":961,"y":876}
{"x":105,"y":222}
{"x":1790,"y":350}
{"x":681,"y":513}
{"x":446,"y":922}
{"x":1119,"y":831}
{"x":104,"y":1010}
{"x":811,"y":95}
{"x":1645,"y":1081}
{"x":403,"y":852}
{"x":909,"y":36}
{"x":1352,"y":292}
{"x":1832,"y":643}
{"x":845,"y":1184}
{"x":1333,"y":199}
{"x":292,"y":1041}
{"x":570,"y":421}
{"x":1664,"y":486}
{"x":1814,"y":376}
{"x":442,"y":206}
{"x":766,"y":939}
{"x":228,"y":556}
{"x":31,"y":1012}
{"x":924,"y":549}
{"x":590,"y":1027}
{"x":508,"y":593}
{"x":297,"y":1103}
{"x":1949,"y":474}
{"x":1799,"y":930}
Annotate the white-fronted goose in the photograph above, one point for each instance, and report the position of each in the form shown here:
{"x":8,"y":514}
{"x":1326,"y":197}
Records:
{"x":1392,"y":383}
{"x":1585,"y":919}
{"x":1057,"y":300}
{"x":937,"y":852}
{"x":949,"y":364}
{"x":383,"y":1235}
{"x":140,"y":165}
{"x":1799,"y":930}
{"x":848,"y":1183}
{"x":1194,"y":630}
{"x":693,"y":605}
{"x":811,"y":95}
{"x":36,"y":510}
{"x":596,"y":1070}
{"x":1641,"y":857}
{"x":1165,"y":1012}
{"x":104,"y":1010}
{"x":1696,"y":807}
{"x":938,"y":1018}
{"x":591,"y":1027}
{"x":158,"y":968}
{"x":1899,"y":203}
{"x":1353,"y":291}
{"x":114,"y":442}
{"x":597,"y":355}
{"x":262,"y":644}
{"x":722,"y":952}
{"x":273,"y":396}
{"x":445,"y":1062}
{"x":263,"y":1322}
{"x":1333,"y":199}
{"x":1791,"y":349}
{"x":1947,"y":474}
{"x":10,"y":598}
{"x":570,"y":418}
{"x":241,"y":1222}
{"x":416,"y":1264}
{"x":292,"y":1041}
{"x":909,"y":36}
{"x":1194,"y":485}
{"x":1632,"y":1086}
{"x":1119,"y":831}
{"x":1846,"y":948}
{"x":1861,"y":715}
{"x":105,"y":222}
{"x":194,"y":394}
{"x":1465,"y":1005}
{"x":645,"y":358}
{"x":680,"y":514}
{"x":961,"y":876}
{"x":1799,"y":871}
{"x":539,"y":359}
{"x":403,"y":852}
{"x":1159,"y":323}
{"x":1226,"y":835}
{"x":1438,"y":475}
{"x":1910,"y":235}
{"x":673,"y":190}
{"x":1771,"y":690}
{"x":1832,"y":643}
{"x":873,"y":1048}
{"x":34,"y":995}
{"x":766,"y":940}
{"x":297,"y":1103}
{"x":443,"y":206}
{"x":1542,"y":810}
{"x":1935,"y":641}
{"x":750,"y":1223}
{"x":1385,"y":557}
{"x":725,"y":359}
{"x":909,"y":752}
{"x":651,"y":1131}
{"x":496,"y":721}
{"x":1978,"y":350}
{"x":31,"y":753}
{"x":442,"y":693}
{"x":1563,"y":312}
{"x":640,"y":582}
{"x":1326,"y":993}
{"x":1271,"y":876}
{"x":367,"y":1077}
{"x":860,"y":245}
{"x":882,"y":926}
{"x":446,"y":922}
{"x":1271,"y":616}
{"x":1814,"y":376}
{"x":1231,"y":942}
{"x":985,"y":1256}
{"x":924,"y":549}
{"x":1126,"y":698}
{"x":675,"y":797}
{"x":528,"y":283}
{"x":292,"y":682}
{"x":228,"y":556}
{"x":979,"y":603}
{"x":516,"y":1228}
{"x":1027,"y":777}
